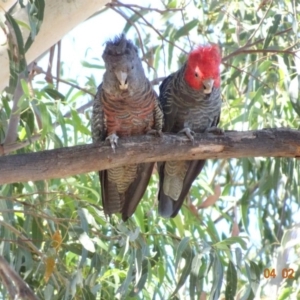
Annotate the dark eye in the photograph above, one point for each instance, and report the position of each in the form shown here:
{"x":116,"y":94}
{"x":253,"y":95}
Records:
{"x":196,"y":74}
{"x":132,"y":67}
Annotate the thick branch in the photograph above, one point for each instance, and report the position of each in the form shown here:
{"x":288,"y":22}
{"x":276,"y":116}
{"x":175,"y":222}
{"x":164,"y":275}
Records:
{"x":65,"y":162}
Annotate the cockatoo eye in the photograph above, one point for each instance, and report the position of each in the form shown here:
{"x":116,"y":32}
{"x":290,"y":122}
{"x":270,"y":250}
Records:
{"x":196,"y":74}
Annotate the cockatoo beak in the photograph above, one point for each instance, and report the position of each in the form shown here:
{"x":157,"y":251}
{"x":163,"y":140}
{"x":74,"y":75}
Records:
{"x":208,"y":85}
{"x":122,"y":78}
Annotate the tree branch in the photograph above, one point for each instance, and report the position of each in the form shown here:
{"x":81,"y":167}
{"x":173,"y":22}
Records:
{"x":8,"y":148}
{"x":12,"y":128}
{"x":15,"y":285}
{"x":70,"y":161}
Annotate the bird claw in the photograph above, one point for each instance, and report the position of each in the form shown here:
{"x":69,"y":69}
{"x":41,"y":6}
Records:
{"x":155,"y":132}
{"x":189,"y":133}
{"x":215,"y":130}
{"x":113,"y":139}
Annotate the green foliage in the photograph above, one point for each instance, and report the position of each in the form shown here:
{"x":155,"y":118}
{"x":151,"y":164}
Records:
{"x":218,"y":252}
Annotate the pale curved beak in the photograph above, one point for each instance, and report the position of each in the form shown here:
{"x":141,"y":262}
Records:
{"x":122,"y":77}
{"x":208,"y":85}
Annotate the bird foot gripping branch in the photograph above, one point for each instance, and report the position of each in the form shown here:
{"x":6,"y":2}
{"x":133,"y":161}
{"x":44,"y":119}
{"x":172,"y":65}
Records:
{"x":189,"y":133}
{"x":113,"y":139}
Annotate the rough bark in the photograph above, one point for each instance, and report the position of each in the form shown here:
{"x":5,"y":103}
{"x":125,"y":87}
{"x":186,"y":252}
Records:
{"x":59,"y":18}
{"x":70,"y":161}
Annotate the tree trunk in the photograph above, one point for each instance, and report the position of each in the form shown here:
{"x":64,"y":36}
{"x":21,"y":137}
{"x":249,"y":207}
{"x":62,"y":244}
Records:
{"x":59,"y":18}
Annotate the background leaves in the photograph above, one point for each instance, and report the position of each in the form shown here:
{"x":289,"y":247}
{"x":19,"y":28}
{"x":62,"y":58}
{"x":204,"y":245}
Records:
{"x":54,"y":233}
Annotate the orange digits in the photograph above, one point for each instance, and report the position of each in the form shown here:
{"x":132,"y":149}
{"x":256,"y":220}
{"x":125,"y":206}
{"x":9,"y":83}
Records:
{"x":285,"y":273}
{"x":269,"y":273}
{"x":288,"y":273}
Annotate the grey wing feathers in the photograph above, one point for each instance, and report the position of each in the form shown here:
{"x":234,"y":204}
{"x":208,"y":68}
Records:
{"x":164,"y":90}
{"x":166,"y":104}
{"x":98,"y":119}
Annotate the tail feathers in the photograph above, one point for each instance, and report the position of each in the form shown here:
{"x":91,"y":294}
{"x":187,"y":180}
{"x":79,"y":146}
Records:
{"x":165,"y":205}
{"x":125,"y":203}
{"x":168,"y":207}
{"x":136,"y":190}
{"x":111,"y":199}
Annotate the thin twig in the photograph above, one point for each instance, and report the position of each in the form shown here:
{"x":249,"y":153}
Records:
{"x":31,"y":74}
{"x":243,"y":71}
{"x":35,"y":214}
{"x":236,"y":52}
{"x":58,"y":63}
{"x":151,"y":26}
{"x":251,"y":191}
{"x":269,"y":51}
{"x":57,"y":193}
{"x":157,"y":32}
{"x":279,"y":232}
{"x":22,"y":237}
{"x":80,"y":109}
{"x":188,"y":36}
{"x":48,"y":76}
{"x":244,"y":51}
{"x":139,"y":36}
{"x":260,"y":23}
{"x":132,"y":24}
{"x":120,"y":4}
{"x":39,"y":70}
